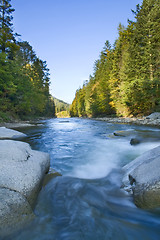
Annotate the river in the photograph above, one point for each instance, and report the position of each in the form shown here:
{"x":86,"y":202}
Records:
{"x":87,"y":201}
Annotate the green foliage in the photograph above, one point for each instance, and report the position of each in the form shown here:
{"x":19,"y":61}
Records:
{"x":60,"y":105}
{"x":61,"y":108}
{"x":4,"y":117}
{"x":7,"y":37}
{"x":24,"y":78}
{"x":126,"y":78}
{"x":63,"y":114}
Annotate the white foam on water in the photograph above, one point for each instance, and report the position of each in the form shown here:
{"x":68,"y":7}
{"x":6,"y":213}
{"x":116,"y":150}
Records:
{"x":96,"y":169}
{"x":100,"y":160}
{"x":107,"y":155}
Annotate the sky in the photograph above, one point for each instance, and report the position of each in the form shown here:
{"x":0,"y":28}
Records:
{"x":69,"y":35}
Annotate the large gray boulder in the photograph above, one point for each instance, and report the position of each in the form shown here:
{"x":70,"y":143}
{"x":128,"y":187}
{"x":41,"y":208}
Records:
{"x":6,"y":133}
{"x":21,"y":174}
{"x":142,"y":177}
{"x":15,"y":211}
{"x":153,"y":116}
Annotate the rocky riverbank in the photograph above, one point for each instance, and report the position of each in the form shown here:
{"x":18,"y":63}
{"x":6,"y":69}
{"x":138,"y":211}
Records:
{"x":151,"y":120}
{"x":22,"y":124}
{"x":18,"y":124}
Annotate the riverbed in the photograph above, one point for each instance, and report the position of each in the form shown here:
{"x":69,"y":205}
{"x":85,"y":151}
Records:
{"x":87,"y":202}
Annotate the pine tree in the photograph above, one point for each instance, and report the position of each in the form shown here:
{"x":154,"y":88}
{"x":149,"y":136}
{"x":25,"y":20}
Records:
{"x":25,"y":55}
{"x":143,"y":65}
{"x":117,"y":71}
{"x":7,"y":37}
{"x":102,"y":76}
{"x":126,"y":78}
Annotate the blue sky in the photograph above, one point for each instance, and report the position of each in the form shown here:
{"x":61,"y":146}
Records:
{"x":69,"y":35}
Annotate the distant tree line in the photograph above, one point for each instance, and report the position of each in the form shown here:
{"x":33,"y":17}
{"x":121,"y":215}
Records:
{"x":126,"y":78}
{"x":24,"y":78}
{"x":60,"y":105}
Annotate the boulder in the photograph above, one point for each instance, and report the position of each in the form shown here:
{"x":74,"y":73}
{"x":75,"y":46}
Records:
{"x":142,"y":177}
{"x":15,"y":211}
{"x":6,"y":133}
{"x":135,"y":141}
{"x":21,"y":174}
{"x":153,"y":116}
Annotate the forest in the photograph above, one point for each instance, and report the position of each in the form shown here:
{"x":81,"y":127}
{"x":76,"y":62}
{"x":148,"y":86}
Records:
{"x":126,"y":77}
{"x":24,"y":77}
{"x":60,"y":105}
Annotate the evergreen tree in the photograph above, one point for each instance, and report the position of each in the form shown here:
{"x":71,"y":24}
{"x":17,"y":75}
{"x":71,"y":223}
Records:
{"x":7,"y":37}
{"x":24,"y":78}
{"x":25,"y":55}
{"x":142,"y":86}
{"x":126,"y":78}
{"x":102,"y":76}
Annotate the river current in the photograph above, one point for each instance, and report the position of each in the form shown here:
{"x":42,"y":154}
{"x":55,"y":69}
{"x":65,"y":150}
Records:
{"x":87,"y":201}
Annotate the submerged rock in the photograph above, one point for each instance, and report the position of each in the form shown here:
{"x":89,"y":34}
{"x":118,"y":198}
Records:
{"x":142,"y":176}
{"x":6,"y":133}
{"x":21,"y":174}
{"x":135,"y":141}
{"x":64,"y":121}
{"x":50,"y":175}
{"x":139,"y":136}
{"x":126,"y":133}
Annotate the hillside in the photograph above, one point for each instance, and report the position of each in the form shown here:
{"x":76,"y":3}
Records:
{"x":61,"y":108}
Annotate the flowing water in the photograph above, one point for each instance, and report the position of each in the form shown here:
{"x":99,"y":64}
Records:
{"x":87,"y":201}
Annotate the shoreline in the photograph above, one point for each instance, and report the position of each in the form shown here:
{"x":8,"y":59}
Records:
{"x":20,"y":124}
{"x":138,"y":121}
{"x":121,"y":120}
